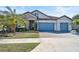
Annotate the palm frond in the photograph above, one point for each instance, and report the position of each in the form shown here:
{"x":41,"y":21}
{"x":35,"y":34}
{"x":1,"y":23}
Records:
{"x":9,"y":9}
{"x":14,"y":12}
{"x":4,"y":12}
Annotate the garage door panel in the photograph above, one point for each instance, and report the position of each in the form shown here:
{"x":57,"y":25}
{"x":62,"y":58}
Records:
{"x":46,"y":27}
{"x":64,"y":27}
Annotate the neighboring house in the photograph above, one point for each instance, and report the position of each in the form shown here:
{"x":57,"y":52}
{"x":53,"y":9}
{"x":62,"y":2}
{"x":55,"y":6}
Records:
{"x":44,"y":23}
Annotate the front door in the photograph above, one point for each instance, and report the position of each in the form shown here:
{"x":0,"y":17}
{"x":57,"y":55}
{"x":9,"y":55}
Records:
{"x":32,"y":25}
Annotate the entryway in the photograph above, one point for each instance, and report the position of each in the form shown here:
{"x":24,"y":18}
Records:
{"x":31,"y":25}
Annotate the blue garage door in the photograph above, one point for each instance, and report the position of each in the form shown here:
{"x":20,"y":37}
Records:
{"x":46,"y":27}
{"x":64,"y":27}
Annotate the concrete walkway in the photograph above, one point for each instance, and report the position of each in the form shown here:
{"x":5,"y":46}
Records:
{"x":28,"y":40}
{"x":58,"y":45}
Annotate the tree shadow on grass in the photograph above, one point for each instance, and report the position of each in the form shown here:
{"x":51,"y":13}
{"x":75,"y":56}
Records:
{"x":5,"y":36}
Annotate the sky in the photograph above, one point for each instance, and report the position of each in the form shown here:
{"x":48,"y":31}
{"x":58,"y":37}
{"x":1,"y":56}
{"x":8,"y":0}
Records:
{"x":49,"y":10}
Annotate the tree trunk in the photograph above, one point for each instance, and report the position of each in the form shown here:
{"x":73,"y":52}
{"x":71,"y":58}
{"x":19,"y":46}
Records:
{"x":13,"y":29}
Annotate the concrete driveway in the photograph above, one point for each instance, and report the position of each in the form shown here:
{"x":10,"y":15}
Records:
{"x":56,"y":35}
{"x":58,"y":45}
{"x":64,"y":42}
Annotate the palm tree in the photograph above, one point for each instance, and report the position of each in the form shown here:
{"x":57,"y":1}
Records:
{"x":12,"y":19}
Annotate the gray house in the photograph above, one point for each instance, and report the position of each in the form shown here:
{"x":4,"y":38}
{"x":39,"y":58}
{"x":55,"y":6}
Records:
{"x":44,"y":23}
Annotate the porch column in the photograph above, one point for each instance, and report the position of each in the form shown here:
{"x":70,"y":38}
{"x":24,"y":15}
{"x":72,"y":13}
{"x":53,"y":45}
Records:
{"x":37,"y":25}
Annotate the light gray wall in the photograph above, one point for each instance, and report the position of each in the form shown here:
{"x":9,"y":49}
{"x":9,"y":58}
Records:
{"x":64,"y":20}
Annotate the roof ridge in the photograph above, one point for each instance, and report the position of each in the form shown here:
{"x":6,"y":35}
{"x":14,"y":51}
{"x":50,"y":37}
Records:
{"x":40,"y":12}
{"x":65,"y":16}
{"x":50,"y":17}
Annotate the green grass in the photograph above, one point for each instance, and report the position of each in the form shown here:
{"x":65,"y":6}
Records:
{"x":17,"y":47}
{"x":22,"y":35}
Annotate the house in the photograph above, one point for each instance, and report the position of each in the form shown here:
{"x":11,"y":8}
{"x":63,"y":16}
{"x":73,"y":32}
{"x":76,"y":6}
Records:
{"x":44,"y":23}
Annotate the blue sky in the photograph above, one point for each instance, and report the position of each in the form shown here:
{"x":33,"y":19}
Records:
{"x":49,"y":10}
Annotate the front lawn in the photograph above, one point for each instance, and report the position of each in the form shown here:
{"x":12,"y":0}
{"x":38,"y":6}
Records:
{"x":17,"y":47}
{"x":21,"y":35}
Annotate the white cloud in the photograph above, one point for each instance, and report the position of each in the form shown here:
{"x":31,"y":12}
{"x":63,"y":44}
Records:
{"x":63,"y":11}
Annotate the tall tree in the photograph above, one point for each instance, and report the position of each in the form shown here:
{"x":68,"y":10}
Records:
{"x":12,"y":18}
{"x":76,"y":22}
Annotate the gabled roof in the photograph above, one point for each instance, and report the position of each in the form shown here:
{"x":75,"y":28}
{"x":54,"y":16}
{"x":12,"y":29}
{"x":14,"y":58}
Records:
{"x":49,"y":17}
{"x":54,"y":17}
{"x":65,"y":16}
{"x":29,"y":13}
{"x":40,"y":12}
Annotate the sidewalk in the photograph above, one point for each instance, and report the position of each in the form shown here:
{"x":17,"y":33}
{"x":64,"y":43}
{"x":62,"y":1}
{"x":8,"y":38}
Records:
{"x":25,"y":40}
